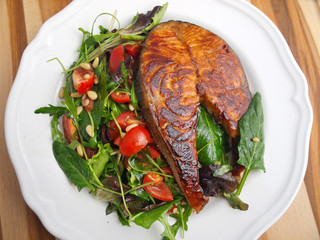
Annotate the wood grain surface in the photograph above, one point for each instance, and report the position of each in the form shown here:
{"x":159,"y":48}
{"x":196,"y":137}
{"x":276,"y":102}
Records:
{"x":299,"y":22}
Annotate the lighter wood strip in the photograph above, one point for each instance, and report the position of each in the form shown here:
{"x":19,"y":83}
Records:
{"x":296,"y":223}
{"x":33,"y":18}
{"x":311,"y":13}
{"x":12,"y":206}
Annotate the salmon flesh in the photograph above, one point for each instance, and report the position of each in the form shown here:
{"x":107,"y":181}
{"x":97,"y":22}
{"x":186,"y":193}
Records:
{"x":180,"y":67}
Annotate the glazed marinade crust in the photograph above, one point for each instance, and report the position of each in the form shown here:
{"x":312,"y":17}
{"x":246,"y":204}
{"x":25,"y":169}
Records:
{"x":181,"y":66}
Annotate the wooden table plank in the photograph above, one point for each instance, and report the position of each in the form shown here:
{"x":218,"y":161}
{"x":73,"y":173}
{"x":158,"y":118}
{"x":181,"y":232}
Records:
{"x":299,"y":22}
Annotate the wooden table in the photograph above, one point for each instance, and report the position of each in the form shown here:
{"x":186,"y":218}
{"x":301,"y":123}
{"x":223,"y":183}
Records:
{"x":299,"y":22}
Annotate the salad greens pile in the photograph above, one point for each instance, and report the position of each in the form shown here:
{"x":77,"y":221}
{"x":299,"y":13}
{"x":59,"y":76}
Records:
{"x":99,"y":114}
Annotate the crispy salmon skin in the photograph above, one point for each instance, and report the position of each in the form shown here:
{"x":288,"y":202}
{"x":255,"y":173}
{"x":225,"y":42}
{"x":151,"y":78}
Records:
{"x":181,"y":66}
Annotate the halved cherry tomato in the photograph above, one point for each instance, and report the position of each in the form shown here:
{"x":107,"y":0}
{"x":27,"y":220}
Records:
{"x":83,"y":80}
{"x":69,"y":129}
{"x":117,"y":141}
{"x":124,"y":120}
{"x":126,"y":162}
{"x":112,"y":130}
{"x":134,"y":140}
{"x":158,"y":189}
{"x":154,"y":153}
{"x":120,"y":97}
{"x":117,"y":56}
{"x":133,"y":49}
{"x":167,"y":170}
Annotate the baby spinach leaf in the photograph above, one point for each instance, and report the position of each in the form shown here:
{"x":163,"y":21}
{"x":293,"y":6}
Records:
{"x":74,"y":167}
{"x":251,"y":145}
{"x":211,"y":140}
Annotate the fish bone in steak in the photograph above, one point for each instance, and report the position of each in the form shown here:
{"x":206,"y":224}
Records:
{"x":181,"y":66}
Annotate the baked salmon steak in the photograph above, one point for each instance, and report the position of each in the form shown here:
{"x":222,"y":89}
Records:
{"x":181,"y":66}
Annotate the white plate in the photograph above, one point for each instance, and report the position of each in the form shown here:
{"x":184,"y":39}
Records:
{"x":270,"y":69}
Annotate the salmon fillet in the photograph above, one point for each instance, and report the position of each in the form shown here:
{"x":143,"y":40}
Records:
{"x":181,"y":66}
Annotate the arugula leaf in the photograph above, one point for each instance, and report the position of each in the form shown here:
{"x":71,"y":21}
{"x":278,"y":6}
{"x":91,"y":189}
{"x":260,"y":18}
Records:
{"x":133,"y":98}
{"x":55,"y":132}
{"x":125,"y":74}
{"x":235,"y":201}
{"x":167,"y":233}
{"x":135,"y":177}
{"x":211,"y":140}
{"x":99,"y":160}
{"x":115,"y":206}
{"x":146,"y":219}
{"x":182,"y":218}
{"x":52,"y":110}
{"x":251,"y":145}
{"x":74,"y":167}
{"x":56,"y":112}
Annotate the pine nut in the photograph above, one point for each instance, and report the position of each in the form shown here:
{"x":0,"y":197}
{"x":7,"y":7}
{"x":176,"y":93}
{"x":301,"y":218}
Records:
{"x":92,"y":95}
{"x":128,"y":128}
{"x":60,"y":94}
{"x":255,"y":139}
{"x":96,"y":80}
{"x":131,"y":107}
{"x":79,"y":110}
{"x":85,"y":66}
{"x":95,"y":62}
{"x":76,"y":95}
{"x":86,"y":76}
{"x":85,"y":102}
{"x":114,"y":153}
{"x":89,"y":130}
{"x":80,"y":150}
{"x":175,"y":210}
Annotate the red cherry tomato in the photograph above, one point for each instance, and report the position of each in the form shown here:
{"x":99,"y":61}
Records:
{"x":133,"y":49}
{"x":117,"y":56}
{"x":69,"y":129}
{"x":112,"y":130}
{"x":158,"y":189}
{"x":117,"y":141}
{"x":167,"y":170}
{"x":134,"y":140}
{"x":120,"y":97}
{"x":124,"y":120}
{"x":83,"y":80}
{"x":154,"y":153}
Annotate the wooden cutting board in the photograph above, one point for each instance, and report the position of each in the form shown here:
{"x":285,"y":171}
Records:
{"x":299,"y":22}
